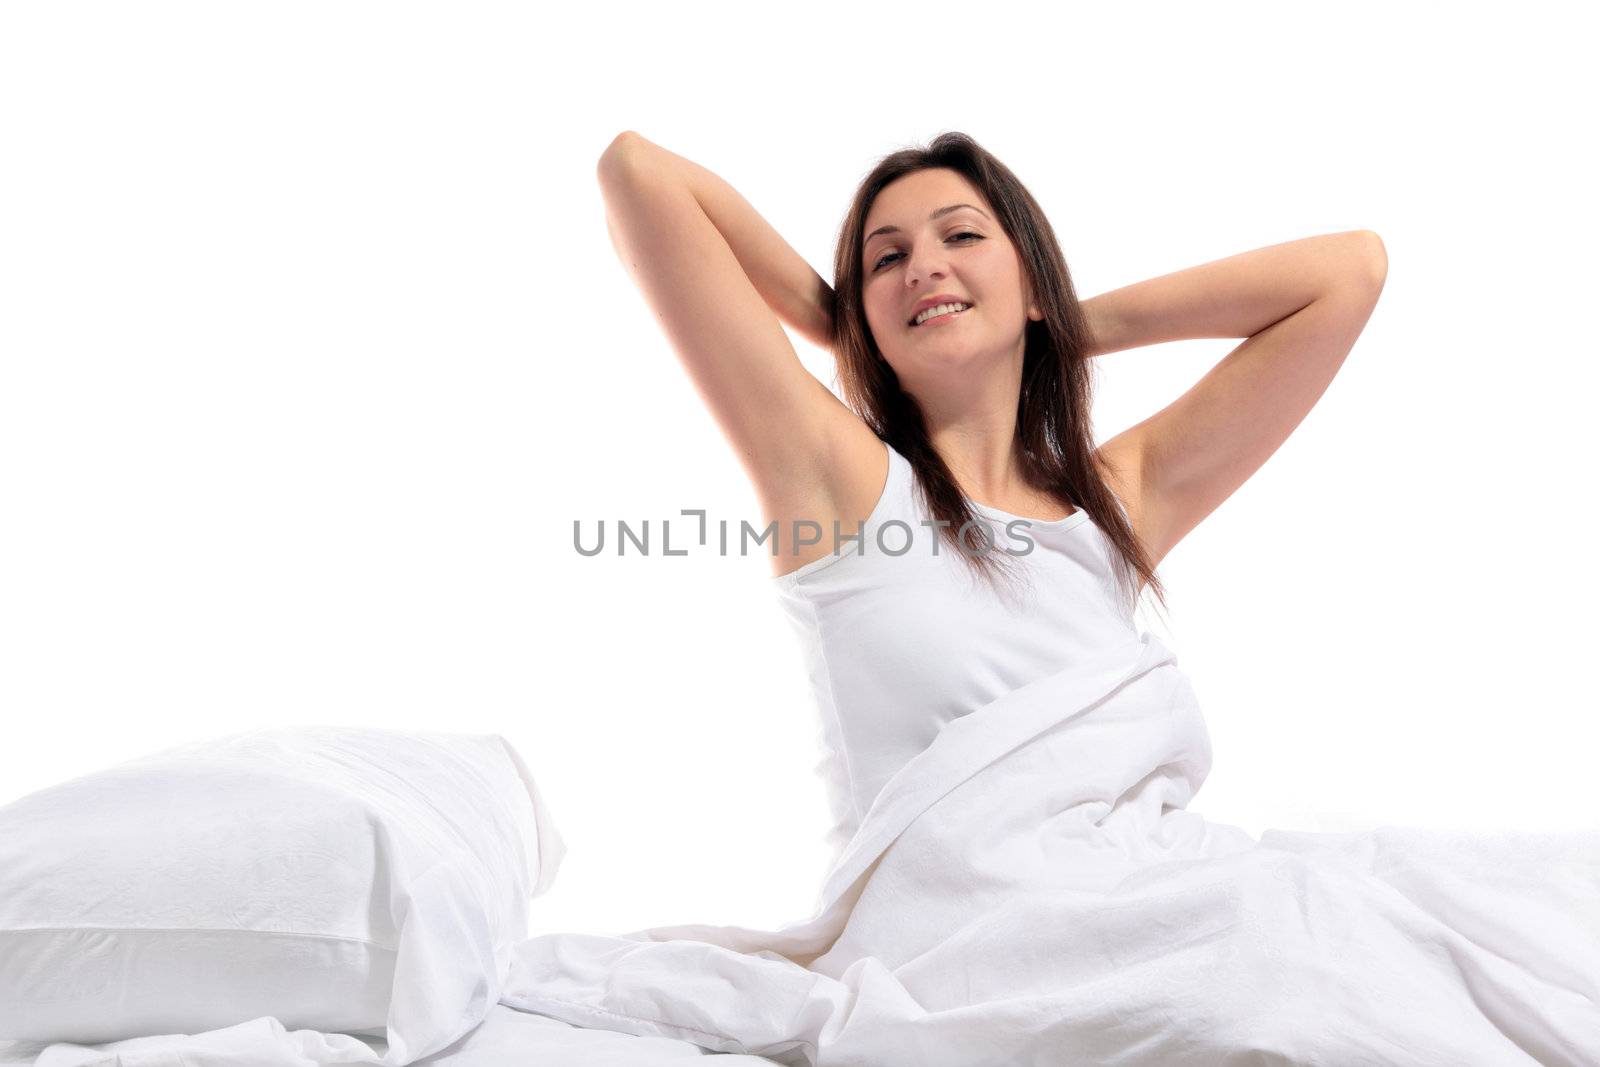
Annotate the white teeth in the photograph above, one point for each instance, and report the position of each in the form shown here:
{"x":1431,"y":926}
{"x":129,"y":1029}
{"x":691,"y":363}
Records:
{"x":939,"y":310}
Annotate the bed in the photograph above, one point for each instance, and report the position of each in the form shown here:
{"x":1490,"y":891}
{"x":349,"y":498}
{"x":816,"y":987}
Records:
{"x":1033,"y":887}
{"x":506,"y":1038}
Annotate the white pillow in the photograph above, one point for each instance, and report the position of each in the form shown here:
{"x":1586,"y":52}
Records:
{"x":338,"y":879}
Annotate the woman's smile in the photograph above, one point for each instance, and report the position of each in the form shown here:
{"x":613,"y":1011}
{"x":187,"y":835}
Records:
{"x":940,"y":320}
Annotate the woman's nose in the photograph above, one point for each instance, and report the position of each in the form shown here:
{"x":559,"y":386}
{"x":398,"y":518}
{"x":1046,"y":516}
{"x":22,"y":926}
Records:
{"x":923,"y":268}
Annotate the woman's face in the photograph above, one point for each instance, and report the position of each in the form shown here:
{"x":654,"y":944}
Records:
{"x":935,"y":252}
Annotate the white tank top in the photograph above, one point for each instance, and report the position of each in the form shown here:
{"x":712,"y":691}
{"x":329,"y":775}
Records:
{"x":898,"y":639}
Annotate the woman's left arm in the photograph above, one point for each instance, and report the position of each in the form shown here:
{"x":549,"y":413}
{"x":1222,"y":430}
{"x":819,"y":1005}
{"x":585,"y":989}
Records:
{"x":1234,"y":297}
{"x":1300,"y":305}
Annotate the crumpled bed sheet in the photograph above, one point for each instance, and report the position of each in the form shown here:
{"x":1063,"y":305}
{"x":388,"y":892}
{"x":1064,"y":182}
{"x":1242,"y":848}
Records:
{"x":506,"y":1038}
{"x":1031,"y":889}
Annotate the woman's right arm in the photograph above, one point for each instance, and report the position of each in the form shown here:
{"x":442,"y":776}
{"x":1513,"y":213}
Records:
{"x":719,"y":280}
{"x":795,"y":292}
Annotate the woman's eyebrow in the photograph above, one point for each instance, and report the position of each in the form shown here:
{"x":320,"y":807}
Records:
{"x":940,"y":212}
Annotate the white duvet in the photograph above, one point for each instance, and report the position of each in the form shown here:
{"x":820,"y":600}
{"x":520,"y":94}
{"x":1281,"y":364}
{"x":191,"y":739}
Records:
{"x":1032,"y":890}
{"x":506,"y":1038}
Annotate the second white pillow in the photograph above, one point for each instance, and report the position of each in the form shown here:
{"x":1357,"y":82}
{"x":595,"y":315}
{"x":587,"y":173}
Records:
{"x":335,"y":878}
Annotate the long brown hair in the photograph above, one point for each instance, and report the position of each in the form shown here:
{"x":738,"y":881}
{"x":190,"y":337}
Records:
{"x":1054,"y":422}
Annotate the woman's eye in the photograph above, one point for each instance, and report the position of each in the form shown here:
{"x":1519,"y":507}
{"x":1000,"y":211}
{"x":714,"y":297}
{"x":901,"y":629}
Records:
{"x":954,"y":237}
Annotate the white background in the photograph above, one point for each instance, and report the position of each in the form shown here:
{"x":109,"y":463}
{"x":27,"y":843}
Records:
{"x":313,"y":347}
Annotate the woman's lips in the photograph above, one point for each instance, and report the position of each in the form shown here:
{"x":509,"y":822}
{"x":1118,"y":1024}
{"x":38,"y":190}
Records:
{"x":939,"y":319}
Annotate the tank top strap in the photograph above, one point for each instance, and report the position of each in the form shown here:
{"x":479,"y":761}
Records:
{"x":899,"y":497}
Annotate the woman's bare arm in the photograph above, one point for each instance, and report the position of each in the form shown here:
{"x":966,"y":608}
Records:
{"x":721,"y":285}
{"x":1234,"y":297}
{"x":794,"y":291}
{"x":1301,"y":305}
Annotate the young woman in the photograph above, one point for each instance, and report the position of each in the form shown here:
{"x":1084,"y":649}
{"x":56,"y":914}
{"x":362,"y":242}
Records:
{"x":990,"y":404}
{"x":978,"y":416}
{"x":1018,"y":877}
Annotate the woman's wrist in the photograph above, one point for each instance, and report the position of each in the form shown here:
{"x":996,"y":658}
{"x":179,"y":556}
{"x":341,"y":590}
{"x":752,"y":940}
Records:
{"x":1102,"y":324}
